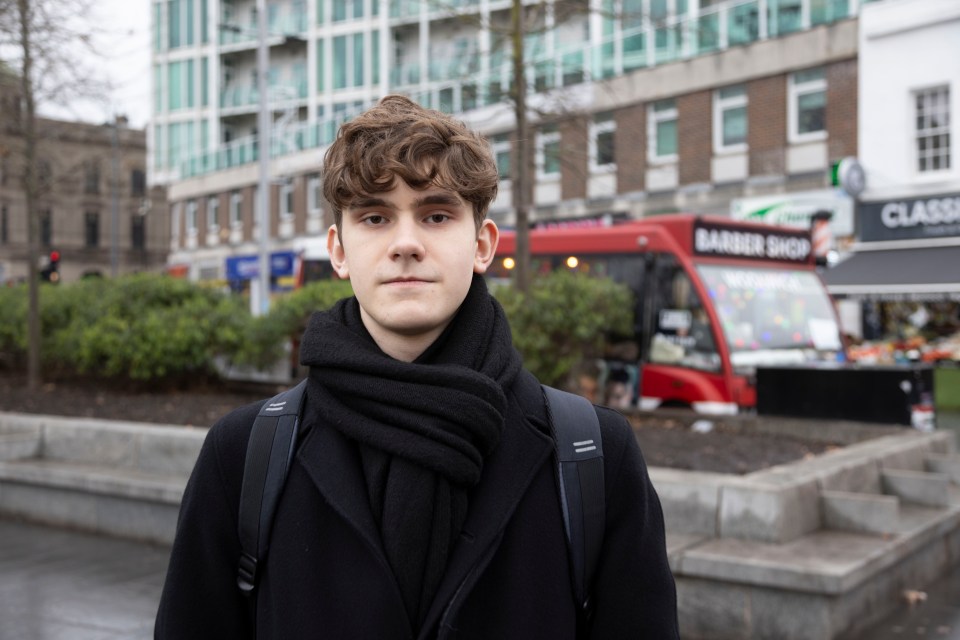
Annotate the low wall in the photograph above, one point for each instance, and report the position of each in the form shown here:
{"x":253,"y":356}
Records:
{"x":811,"y":550}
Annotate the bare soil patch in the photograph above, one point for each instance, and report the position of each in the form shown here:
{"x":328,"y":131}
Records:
{"x":665,"y":442}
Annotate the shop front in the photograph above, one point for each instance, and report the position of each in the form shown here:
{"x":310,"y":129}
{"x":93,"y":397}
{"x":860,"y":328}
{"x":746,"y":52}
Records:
{"x":898,"y":293}
{"x":240,"y":270}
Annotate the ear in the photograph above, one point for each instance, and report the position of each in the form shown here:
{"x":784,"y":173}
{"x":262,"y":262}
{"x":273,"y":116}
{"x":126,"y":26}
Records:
{"x":487,"y":239}
{"x":338,"y":257}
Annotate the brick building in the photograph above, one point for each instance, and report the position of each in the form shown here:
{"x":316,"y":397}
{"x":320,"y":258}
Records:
{"x":87,"y":172}
{"x":730,"y":107}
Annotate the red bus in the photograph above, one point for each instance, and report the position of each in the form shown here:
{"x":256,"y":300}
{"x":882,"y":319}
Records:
{"x":714,"y":299}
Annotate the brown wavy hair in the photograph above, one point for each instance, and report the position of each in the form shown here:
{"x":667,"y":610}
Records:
{"x":398,"y":138}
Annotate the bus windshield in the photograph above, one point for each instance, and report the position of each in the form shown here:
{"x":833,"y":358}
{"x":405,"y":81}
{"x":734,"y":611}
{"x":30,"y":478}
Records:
{"x":772,"y":316}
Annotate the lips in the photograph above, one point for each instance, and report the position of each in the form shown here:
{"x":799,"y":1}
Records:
{"x":407,"y":280}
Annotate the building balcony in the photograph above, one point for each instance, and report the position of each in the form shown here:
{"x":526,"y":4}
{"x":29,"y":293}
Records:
{"x":244,"y":98}
{"x":281,"y":27}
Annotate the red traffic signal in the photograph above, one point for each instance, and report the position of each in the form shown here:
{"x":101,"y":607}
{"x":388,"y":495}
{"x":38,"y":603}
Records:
{"x":54,"y":257}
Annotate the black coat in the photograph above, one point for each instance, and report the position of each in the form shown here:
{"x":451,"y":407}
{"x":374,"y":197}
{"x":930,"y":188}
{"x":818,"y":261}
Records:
{"x":326,"y":575}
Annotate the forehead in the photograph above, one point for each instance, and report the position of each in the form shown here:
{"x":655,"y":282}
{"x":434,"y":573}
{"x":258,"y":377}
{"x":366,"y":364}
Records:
{"x":403,"y":195}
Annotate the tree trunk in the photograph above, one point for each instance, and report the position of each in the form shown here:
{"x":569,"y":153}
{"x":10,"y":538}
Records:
{"x":522,"y":152}
{"x":30,"y":186}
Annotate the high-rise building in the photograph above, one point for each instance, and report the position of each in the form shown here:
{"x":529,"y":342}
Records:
{"x":638,"y":106}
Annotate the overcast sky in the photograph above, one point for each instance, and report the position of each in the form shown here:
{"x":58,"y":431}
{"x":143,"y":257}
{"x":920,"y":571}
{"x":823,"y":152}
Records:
{"x":122,"y":36}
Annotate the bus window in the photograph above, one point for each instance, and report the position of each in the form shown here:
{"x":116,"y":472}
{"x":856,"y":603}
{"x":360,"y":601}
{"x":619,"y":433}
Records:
{"x":772,"y":316}
{"x":682,"y":335}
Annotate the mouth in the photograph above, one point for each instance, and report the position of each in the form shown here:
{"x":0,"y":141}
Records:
{"x":407,"y":281}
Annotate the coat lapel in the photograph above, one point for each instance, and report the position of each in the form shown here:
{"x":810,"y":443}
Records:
{"x":507,"y":474}
{"x":333,"y":466}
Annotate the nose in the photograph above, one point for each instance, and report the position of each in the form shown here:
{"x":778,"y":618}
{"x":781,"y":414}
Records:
{"x":406,"y":243}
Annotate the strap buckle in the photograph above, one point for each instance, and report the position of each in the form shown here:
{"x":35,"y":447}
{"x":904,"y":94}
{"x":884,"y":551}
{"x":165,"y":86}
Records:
{"x":247,"y":573}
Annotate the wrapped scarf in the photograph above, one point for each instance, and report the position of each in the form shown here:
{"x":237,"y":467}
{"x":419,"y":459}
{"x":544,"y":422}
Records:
{"x":423,"y":428}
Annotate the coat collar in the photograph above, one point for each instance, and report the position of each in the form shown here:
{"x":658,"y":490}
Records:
{"x":333,"y":465}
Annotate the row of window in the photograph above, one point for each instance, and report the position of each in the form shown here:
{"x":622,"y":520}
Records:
{"x":176,"y":86}
{"x":184,"y":30}
{"x":91,"y":229}
{"x":91,"y":177}
{"x":235,"y":206}
{"x":807,"y":116}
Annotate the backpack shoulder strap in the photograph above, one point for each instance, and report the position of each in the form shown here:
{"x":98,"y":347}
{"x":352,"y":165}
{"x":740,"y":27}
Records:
{"x":269,"y":453}
{"x":582,"y":492}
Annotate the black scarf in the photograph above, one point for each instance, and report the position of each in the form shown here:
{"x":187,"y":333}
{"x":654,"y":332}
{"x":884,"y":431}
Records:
{"x":423,"y":428}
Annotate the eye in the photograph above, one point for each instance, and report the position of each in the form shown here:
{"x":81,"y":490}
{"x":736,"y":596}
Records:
{"x":374,"y":219}
{"x":438,"y":217}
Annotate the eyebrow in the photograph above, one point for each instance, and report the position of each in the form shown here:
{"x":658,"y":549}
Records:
{"x":431,"y":198}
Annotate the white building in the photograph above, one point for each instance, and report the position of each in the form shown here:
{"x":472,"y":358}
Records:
{"x":655,"y":105}
{"x":907,"y":256}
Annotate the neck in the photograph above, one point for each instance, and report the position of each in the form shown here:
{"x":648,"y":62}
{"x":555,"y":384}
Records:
{"x":405,"y":348}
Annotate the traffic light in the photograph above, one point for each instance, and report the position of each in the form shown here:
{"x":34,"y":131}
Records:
{"x":51,"y":273}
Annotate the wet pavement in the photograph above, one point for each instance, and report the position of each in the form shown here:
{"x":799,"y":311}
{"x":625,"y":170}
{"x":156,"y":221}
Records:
{"x":64,"y":585}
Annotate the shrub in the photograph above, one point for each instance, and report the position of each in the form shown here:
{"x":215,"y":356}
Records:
{"x":13,"y":325}
{"x":147,"y":327}
{"x":564,"y":321}
{"x":287,"y":319}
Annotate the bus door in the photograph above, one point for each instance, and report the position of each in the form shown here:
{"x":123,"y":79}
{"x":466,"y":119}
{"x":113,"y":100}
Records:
{"x":681,"y":364}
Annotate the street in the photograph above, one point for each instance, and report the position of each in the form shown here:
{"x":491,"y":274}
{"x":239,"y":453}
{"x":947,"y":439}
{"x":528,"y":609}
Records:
{"x":65,"y":585}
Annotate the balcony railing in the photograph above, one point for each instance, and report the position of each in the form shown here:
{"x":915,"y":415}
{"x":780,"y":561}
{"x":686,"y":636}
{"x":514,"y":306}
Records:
{"x":462,"y":84}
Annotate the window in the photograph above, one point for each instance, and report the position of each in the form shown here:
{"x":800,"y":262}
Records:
{"x":784,"y":16}
{"x":501,"y":151}
{"x":173,"y":24}
{"x":548,"y":151}
{"x":46,"y":228}
{"x":138,"y":233}
{"x":138,"y":183}
{"x":314,"y":195}
{"x":730,"y":119}
{"x":348,"y":61}
{"x":191,"y":226}
{"x":286,"y":199}
{"x":933,"y":129}
{"x":662,"y":131}
{"x":91,"y":182}
{"x":602,"y":138}
{"x":4,"y":229}
{"x":682,"y":333}
{"x":347,"y":10}
{"x":157,"y":26}
{"x":808,"y":105}
{"x":236,"y":215}
{"x":204,"y":82}
{"x":180,"y":85}
{"x":91,"y":229}
{"x":213,"y":214}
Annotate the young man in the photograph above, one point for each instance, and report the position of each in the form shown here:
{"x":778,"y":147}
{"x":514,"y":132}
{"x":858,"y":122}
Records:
{"x":423,"y":498}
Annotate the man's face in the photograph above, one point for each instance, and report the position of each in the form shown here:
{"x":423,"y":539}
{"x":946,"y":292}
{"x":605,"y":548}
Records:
{"x":410,"y":256}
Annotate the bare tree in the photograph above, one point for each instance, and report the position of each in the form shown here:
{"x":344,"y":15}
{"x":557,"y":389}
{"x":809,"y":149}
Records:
{"x":529,"y":19}
{"x":42,"y":39}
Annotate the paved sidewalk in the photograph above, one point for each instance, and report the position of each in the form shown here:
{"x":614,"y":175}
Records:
{"x":938,"y":616}
{"x":64,"y":585}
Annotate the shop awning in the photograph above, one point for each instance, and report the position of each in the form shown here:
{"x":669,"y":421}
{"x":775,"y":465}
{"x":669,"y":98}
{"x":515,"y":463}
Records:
{"x":921,"y":273}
